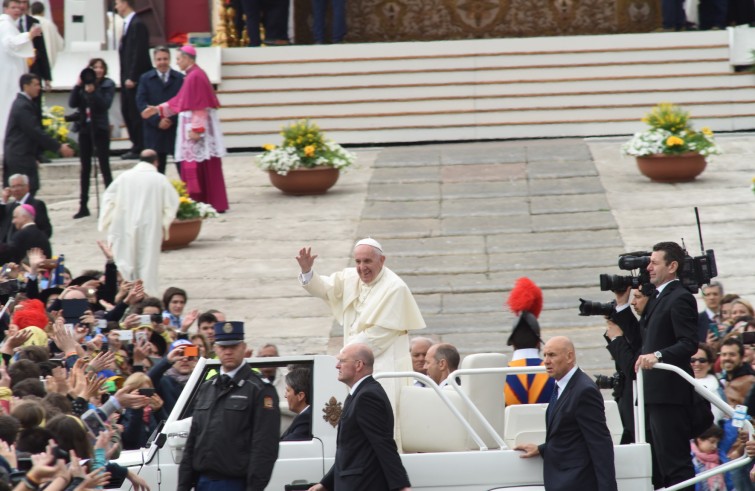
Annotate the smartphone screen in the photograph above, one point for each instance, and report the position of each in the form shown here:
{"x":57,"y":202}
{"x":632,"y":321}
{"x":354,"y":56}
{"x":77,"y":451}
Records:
{"x":93,"y":422}
{"x":147,"y":391}
{"x":141,"y":337}
{"x":73,"y":309}
{"x":191,"y":351}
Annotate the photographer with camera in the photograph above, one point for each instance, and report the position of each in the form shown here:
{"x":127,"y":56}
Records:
{"x":669,"y":335}
{"x":92,"y":97}
{"x":624,"y":343}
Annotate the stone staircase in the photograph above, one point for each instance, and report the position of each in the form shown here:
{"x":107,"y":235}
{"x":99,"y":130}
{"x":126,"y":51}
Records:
{"x":482,"y":89}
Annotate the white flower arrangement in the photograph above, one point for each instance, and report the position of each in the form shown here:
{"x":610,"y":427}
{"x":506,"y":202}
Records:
{"x":304,"y":146}
{"x":656,"y":141}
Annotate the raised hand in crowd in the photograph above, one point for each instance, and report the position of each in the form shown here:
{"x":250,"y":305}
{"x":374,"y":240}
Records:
{"x":60,"y":383}
{"x":188,"y":320}
{"x":36,"y":257}
{"x":15,"y":340}
{"x":131,"y":399}
{"x":44,"y":466}
{"x":103,"y":361}
{"x":106,"y":250}
{"x":123,"y":290}
{"x":141,"y":352}
{"x":64,"y":339}
{"x":8,"y":452}
{"x":136,"y":294}
{"x":87,"y":319}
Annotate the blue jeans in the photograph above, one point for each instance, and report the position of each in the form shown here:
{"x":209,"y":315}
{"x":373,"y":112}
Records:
{"x":338,"y":20}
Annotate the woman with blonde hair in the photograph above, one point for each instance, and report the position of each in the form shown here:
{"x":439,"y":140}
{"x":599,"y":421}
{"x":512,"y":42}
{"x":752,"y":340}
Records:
{"x":138,"y":424}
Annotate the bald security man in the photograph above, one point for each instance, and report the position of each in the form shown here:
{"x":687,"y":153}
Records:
{"x":578,"y":451}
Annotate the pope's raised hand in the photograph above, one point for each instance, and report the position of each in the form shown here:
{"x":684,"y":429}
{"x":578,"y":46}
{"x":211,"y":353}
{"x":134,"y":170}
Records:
{"x":305,"y":259}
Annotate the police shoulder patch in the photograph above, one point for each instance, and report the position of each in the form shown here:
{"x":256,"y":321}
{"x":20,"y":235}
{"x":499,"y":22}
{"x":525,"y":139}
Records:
{"x":267,"y":402}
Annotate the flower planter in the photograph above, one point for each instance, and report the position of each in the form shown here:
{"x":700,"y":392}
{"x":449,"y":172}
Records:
{"x":182,"y":233}
{"x":305,"y":182}
{"x":672,"y":168}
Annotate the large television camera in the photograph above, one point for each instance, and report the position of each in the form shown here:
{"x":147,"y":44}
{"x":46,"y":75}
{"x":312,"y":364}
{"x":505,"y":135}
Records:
{"x":694,"y":272}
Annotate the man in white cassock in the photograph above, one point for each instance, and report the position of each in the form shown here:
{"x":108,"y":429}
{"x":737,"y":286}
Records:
{"x":54,"y":42}
{"x":374,"y":306}
{"x":15,"y":49}
{"x":137,"y":210}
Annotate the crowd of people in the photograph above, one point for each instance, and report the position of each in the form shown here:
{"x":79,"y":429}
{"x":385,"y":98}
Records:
{"x":163,"y":110}
{"x":714,"y":347}
{"x":98,"y":343}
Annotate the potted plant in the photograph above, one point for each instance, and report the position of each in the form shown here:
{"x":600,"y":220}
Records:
{"x":55,"y":125}
{"x":305,"y":163}
{"x":188,"y":222}
{"x":671,"y":150}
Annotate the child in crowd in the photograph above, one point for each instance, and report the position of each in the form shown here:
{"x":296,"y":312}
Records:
{"x":705,"y":457}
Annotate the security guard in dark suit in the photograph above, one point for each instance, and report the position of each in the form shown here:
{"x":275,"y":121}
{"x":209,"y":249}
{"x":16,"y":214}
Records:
{"x":233,"y":442}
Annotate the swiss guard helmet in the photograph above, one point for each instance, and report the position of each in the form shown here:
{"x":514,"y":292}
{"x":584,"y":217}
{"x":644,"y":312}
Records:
{"x":526,"y":301}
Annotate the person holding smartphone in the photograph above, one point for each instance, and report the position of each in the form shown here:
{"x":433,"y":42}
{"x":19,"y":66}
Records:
{"x":169,"y":376}
{"x":139,"y":423}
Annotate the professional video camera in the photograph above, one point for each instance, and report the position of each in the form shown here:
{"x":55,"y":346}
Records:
{"x":628,"y":262}
{"x":587,"y":307}
{"x":693,"y":273}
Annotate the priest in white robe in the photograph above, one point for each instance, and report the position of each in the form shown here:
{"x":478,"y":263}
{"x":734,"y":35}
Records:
{"x":15,"y":49}
{"x":54,"y":42}
{"x":374,"y":306}
{"x":137,"y":210}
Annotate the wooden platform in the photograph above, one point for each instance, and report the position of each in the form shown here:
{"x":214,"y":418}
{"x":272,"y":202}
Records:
{"x":482,"y":89}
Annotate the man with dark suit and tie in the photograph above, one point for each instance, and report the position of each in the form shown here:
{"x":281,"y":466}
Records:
{"x":24,"y":136}
{"x":133,"y":52}
{"x":155,"y":87}
{"x":366,"y":455}
{"x":669,"y":335}
{"x":578,"y":451}
{"x":298,"y":389}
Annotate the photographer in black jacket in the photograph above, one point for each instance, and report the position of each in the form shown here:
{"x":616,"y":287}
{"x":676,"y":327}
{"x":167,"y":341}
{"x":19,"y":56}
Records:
{"x":92,"y":97}
{"x":624,"y":343}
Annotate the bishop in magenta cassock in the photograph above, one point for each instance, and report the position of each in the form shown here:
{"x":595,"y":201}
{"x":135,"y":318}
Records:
{"x":199,"y":140}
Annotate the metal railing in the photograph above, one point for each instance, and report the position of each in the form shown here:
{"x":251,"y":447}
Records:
{"x":639,"y":422}
{"x":429,"y":383}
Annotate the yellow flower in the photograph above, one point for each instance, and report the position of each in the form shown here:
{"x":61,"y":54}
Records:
{"x":673,"y":141}
{"x":184,"y":200}
{"x":57,"y":110}
{"x":46,"y":122}
{"x":309,"y":150}
{"x":706,"y":131}
{"x":268,"y":146}
{"x":63,"y":132}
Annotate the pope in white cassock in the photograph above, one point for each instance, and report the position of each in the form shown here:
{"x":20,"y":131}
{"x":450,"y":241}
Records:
{"x":374,"y":306}
{"x":137,"y":209}
{"x":15,"y":48}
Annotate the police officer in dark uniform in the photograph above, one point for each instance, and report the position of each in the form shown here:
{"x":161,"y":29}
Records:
{"x":233,"y":443}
